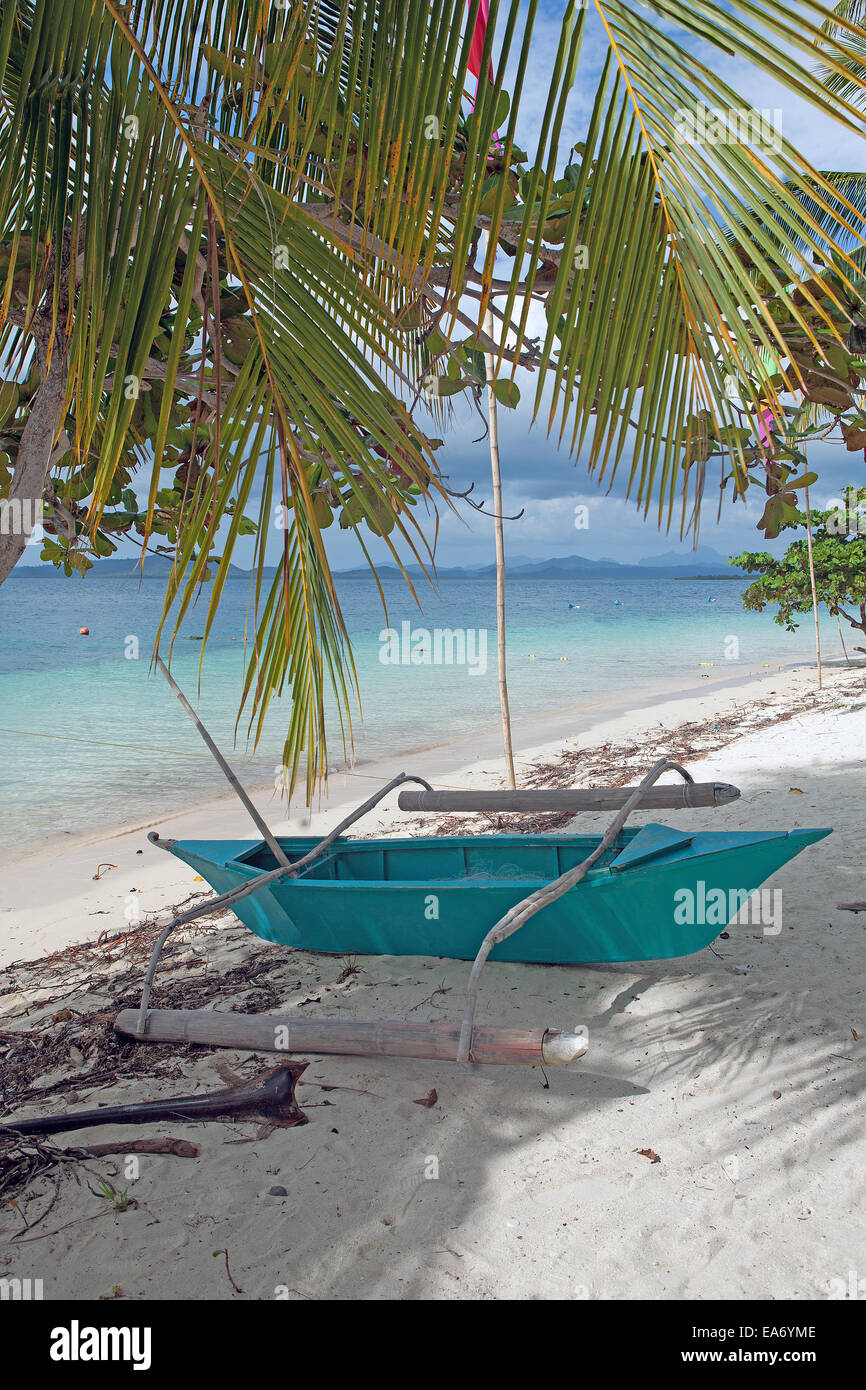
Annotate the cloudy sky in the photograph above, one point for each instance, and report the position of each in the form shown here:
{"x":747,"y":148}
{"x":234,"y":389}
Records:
{"x":542,"y":479}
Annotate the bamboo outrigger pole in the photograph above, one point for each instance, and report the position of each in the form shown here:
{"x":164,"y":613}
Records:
{"x":689,"y":794}
{"x":355,"y":1037}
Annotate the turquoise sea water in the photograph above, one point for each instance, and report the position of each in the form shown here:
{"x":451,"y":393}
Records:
{"x":121,"y":750}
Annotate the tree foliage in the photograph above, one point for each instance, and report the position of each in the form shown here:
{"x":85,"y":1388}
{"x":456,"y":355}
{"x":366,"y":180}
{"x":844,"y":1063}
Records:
{"x":839,"y":553}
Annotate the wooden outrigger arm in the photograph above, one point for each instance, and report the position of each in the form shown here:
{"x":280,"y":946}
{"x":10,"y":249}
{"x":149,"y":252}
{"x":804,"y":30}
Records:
{"x":234,"y":895}
{"x":522,"y":911}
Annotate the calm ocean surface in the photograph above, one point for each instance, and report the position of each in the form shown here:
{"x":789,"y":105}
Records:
{"x":121,"y":750}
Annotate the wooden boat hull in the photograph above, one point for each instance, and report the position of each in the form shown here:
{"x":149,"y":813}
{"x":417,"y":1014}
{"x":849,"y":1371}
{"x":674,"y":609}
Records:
{"x":657,"y":893}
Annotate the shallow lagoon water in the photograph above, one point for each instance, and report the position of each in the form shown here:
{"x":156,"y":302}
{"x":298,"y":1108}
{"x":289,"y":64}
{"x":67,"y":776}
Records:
{"x":99,"y":740}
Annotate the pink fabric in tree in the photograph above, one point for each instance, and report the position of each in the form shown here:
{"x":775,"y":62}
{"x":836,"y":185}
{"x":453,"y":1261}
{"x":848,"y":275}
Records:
{"x":475,"y":53}
{"x":478,"y":39}
{"x":765,"y":425}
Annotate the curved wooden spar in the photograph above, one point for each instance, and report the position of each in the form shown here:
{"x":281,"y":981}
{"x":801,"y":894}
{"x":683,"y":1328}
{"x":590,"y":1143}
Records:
{"x":259,"y":821}
{"x":522,"y":911}
{"x":572,"y":799}
{"x":235,"y":894}
{"x":353,"y":1037}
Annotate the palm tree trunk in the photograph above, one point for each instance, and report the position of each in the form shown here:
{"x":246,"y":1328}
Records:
{"x":500,"y":563}
{"x":812,"y":582}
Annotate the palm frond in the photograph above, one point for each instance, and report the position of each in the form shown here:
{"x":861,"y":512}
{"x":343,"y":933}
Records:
{"x":235,"y":237}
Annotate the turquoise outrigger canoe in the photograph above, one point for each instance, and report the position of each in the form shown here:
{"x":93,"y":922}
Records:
{"x":654,"y":894}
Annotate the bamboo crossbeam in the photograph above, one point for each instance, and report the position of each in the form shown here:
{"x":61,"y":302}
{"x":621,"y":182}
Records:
{"x":675,"y":797}
{"x":354,"y":1038}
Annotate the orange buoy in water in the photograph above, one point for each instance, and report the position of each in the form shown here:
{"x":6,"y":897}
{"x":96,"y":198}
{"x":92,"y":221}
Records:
{"x":84,"y":632}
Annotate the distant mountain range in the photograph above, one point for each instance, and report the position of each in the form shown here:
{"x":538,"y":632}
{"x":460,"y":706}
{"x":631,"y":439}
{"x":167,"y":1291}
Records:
{"x":704,"y":562}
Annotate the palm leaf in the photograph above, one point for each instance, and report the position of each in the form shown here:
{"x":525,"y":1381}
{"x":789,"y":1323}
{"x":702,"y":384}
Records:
{"x":315,"y":167}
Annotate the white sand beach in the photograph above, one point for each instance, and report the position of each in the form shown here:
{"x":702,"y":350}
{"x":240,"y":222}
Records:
{"x":739,"y":1070}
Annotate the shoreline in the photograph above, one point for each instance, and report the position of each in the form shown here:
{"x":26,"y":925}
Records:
{"x":450,"y":756}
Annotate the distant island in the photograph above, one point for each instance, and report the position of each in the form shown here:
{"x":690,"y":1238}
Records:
{"x":703,"y":563}
{"x":155,"y":567}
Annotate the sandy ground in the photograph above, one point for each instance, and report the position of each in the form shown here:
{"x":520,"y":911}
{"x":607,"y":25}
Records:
{"x":740,"y":1067}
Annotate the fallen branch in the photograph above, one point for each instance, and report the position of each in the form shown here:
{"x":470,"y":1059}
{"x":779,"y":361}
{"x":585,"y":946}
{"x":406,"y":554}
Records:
{"x":272,"y":1101}
{"x":179,"y":1148}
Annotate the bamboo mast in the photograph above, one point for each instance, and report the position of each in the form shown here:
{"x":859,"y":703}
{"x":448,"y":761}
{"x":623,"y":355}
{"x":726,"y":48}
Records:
{"x":493,"y":423}
{"x":812,"y":582}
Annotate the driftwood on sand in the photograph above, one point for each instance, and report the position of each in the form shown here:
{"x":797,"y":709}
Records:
{"x":271,"y":1101}
{"x":175,"y":1148}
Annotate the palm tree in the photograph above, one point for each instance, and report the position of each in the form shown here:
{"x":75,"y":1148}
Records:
{"x":236,"y":235}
